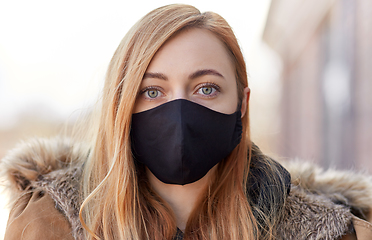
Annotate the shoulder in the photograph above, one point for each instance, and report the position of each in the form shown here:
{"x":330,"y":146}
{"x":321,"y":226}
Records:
{"x":34,"y":216}
{"x":42,"y":178}
{"x":326,"y":204}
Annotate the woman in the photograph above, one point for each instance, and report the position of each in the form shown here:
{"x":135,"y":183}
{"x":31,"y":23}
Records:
{"x":171,"y":156}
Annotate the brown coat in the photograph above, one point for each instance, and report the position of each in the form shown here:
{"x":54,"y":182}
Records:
{"x":44,"y":186}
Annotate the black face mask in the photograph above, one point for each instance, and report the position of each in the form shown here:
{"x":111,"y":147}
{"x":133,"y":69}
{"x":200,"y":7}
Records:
{"x":180,"y":141}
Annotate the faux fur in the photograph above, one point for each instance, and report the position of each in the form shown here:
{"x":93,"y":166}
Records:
{"x":320,"y":205}
{"x":54,"y":165}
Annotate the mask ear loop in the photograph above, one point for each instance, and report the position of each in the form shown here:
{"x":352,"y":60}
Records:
{"x":239,"y":107}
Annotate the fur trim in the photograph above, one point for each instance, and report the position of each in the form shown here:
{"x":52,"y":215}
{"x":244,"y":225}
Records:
{"x":348,"y":188}
{"x":64,"y":188}
{"x":37,"y":157}
{"x":319,"y":206}
{"x":310,"y":216}
{"x":54,"y":165}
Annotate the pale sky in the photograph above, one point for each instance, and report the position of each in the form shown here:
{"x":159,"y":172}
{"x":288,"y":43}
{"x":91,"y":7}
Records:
{"x":54,"y":54}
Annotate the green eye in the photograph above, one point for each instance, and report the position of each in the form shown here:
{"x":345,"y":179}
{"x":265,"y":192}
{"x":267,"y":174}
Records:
{"x":207,"y":90}
{"x":152,"y":93}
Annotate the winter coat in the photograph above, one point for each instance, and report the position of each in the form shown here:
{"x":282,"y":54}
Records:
{"x":44,"y":183}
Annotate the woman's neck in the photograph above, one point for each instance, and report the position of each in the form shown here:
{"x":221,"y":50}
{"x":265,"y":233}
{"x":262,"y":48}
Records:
{"x":181,"y":198}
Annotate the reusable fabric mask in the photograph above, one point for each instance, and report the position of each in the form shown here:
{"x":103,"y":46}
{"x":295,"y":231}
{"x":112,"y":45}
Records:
{"x":180,"y":141}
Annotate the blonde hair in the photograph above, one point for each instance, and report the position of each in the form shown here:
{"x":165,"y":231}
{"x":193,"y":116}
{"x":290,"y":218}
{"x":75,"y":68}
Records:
{"x":119,"y":202}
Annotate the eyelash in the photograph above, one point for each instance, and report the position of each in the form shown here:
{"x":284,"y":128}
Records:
{"x":148,"y":88}
{"x":209,"y":84}
{"x":200,"y":86}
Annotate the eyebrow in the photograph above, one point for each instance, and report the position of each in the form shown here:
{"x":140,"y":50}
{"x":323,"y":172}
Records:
{"x":198,"y":73}
{"x":155,"y":75}
{"x":204,"y":72}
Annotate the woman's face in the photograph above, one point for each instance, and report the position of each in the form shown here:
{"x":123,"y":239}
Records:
{"x":194,"y":65}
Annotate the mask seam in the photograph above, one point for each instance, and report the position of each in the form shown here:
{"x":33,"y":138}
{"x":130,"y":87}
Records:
{"x":183,"y":139}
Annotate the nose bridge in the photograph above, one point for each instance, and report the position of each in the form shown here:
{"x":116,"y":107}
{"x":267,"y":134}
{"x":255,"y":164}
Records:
{"x":179,"y":91}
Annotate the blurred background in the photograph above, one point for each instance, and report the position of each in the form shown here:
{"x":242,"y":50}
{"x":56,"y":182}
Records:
{"x":309,"y":66}
{"x":325,"y":109}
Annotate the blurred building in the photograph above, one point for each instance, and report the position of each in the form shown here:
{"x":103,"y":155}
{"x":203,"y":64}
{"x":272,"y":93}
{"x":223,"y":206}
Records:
{"x":326,"y":95}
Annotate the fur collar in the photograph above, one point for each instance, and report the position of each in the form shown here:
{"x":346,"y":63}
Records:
{"x":320,"y":204}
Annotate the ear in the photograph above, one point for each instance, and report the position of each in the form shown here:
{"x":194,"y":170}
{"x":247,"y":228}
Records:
{"x":247,"y":93}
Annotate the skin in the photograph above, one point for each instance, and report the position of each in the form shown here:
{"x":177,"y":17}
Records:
{"x":193,"y":65}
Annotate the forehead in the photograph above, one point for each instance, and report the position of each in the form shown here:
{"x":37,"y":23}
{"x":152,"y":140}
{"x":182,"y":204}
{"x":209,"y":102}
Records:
{"x":193,"y":47}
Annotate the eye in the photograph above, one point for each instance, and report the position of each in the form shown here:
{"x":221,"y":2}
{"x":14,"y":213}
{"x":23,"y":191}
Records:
{"x":208,"y":89}
{"x":151,"y":92}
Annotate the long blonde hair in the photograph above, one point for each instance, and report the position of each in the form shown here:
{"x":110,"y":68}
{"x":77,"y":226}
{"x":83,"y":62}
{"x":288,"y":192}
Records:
{"x":119,"y":202}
